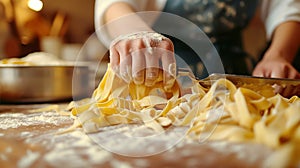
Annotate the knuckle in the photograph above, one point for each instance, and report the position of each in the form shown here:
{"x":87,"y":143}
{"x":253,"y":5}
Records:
{"x":166,"y":44}
{"x":122,"y":46}
{"x":138,"y":43}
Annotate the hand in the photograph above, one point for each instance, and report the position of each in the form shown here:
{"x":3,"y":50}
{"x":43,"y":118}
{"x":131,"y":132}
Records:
{"x":138,"y":56}
{"x":276,"y":68}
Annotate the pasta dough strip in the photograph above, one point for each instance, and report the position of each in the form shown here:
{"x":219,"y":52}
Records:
{"x":222,"y":112}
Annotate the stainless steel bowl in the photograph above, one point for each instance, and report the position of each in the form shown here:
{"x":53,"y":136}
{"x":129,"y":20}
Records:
{"x":31,"y":84}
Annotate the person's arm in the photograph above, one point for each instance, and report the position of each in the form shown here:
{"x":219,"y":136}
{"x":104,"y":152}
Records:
{"x":120,"y":19}
{"x":277,"y":61}
{"x":286,"y":40}
{"x":281,"y":20}
{"x":136,"y":50}
{"x":117,"y":10}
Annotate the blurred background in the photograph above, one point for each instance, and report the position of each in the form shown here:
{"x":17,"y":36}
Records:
{"x":62,"y":27}
{"x":56,"y":26}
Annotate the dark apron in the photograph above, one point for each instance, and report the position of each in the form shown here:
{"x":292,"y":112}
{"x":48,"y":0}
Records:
{"x":223,"y":22}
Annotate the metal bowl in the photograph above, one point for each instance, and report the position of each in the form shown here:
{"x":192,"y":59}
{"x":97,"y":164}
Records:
{"x":32,"y":84}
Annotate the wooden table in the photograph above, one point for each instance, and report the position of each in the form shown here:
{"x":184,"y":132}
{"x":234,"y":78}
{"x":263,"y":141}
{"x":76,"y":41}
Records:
{"x":31,"y":140}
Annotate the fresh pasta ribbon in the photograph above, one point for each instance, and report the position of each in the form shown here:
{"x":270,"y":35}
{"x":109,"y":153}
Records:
{"x":221,"y":112}
{"x":116,"y":102}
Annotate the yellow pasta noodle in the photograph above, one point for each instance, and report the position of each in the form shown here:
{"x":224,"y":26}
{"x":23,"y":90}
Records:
{"x":221,"y":112}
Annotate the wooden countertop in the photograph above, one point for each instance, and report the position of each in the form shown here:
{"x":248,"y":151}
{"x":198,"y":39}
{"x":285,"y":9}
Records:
{"x":31,"y":140}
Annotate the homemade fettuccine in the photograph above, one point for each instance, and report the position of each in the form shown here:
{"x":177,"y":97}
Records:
{"x":222,"y":112}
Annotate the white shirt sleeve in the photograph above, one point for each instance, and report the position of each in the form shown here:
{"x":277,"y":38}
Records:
{"x":275,"y":12}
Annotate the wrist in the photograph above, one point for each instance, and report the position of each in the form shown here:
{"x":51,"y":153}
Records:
{"x":139,"y":35}
{"x":275,"y":54}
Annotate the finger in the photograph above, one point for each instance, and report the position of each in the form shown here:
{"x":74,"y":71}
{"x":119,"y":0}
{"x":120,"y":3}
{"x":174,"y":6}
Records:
{"x":168,"y":63}
{"x":293,"y":73}
{"x":125,"y":61}
{"x":138,"y":62}
{"x":260,"y":71}
{"x":152,"y":67}
{"x":257,"y":73}
{"x":278,"y":74}
{"x":114,"y":59}
{"x":169,"y":75}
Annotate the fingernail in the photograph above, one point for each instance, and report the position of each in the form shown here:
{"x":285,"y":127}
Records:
{"x":151,"y":75}
{"x":172,"y":69}
{"x":115,"y":69}
{"x":150,"y":79}
{"x":168,"y":83}
{"x":125,"y":77}
{"x":149,"y":83}
{"x":138,"y":78}
{"x":138,"y":81}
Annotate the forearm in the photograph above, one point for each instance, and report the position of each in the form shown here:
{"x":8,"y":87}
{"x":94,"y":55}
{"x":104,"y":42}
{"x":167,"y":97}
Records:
{"x":285,"y":41}
{"x":122,"y":19}
{"x":117,"y":10}
{"x":277,"y":61}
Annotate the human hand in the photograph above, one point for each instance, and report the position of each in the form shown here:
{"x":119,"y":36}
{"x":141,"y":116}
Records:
{"x":137,"y":57}
{"x":276,"y":68}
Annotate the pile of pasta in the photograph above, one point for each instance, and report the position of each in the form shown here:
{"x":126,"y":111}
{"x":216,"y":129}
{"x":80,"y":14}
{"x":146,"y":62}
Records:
{"x":220,"y":112}
{"x":14,"y":61}
{"x":34,"y":59}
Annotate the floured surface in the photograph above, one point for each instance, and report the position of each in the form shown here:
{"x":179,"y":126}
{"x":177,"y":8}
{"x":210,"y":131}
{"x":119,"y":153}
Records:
{"x":30,"y":140}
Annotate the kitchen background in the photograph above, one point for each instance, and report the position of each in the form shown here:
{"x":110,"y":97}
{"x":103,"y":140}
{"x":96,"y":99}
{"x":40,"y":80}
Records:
{"x":63,"y":27}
